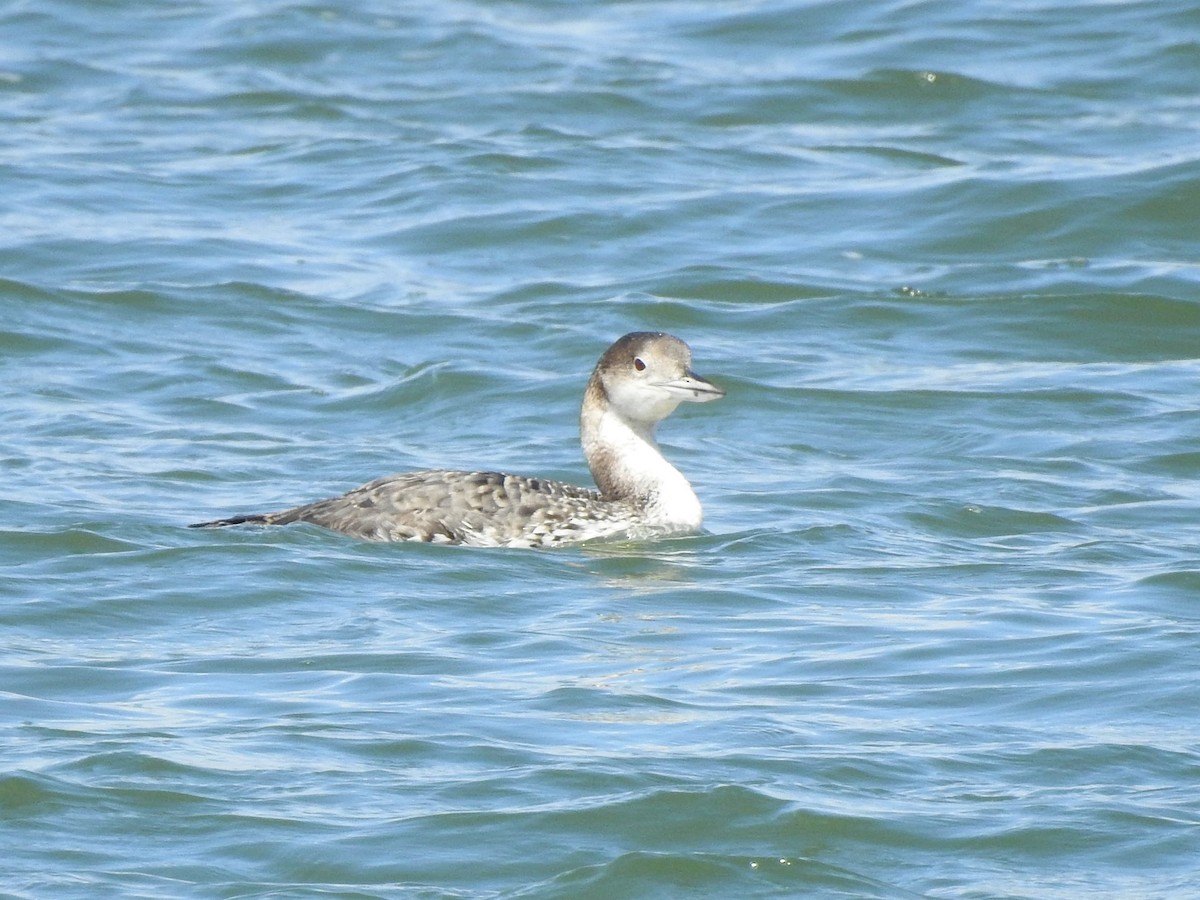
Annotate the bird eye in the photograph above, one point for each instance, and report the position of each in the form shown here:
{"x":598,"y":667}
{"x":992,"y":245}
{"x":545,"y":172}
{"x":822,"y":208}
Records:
{"x":638,"y":364}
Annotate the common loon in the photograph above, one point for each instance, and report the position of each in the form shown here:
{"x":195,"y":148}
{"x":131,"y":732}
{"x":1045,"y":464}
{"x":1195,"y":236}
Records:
{"x":637,"y":383}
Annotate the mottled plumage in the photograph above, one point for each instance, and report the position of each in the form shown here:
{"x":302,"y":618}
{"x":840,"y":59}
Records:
{"x":637,"y":382}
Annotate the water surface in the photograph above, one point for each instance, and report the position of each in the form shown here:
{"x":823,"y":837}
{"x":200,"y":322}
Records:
{"x":938,"y":638}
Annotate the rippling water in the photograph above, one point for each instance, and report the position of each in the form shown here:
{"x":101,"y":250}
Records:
{"x":940,"y":637}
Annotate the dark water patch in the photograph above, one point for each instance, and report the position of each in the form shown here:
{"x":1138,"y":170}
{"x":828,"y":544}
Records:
{"x":925,"y":85}
{"x":716,"y":284}
{"x":1091,"y":327}
{"x":634,"y":874}
{"x":897,"y":155}
{"x":987,"y":521}
{"x":28,"y":795}
{"x":35,"y":546}
{"x":1169,"y":594}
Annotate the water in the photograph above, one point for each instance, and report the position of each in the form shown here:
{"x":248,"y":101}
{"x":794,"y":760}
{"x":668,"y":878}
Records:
{"x":940,"y":637}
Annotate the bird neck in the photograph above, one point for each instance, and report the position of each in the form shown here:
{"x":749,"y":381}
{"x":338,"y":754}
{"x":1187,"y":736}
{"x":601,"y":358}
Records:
{"x":627,"y":464}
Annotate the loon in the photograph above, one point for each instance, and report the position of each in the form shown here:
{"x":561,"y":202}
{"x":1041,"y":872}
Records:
{"x":637,"y":383}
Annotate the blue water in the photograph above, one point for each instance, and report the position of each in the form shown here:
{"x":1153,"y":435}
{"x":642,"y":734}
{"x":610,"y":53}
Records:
{"x":940,"y":636}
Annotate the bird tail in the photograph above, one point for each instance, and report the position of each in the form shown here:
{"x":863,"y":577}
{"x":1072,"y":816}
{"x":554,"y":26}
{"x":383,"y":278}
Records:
{"x":260,"y":519}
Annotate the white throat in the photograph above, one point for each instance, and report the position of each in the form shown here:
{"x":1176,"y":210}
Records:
{"x":627,"y":464}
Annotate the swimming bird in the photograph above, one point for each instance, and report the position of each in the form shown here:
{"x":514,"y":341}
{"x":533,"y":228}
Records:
{"x":637,"y":383}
